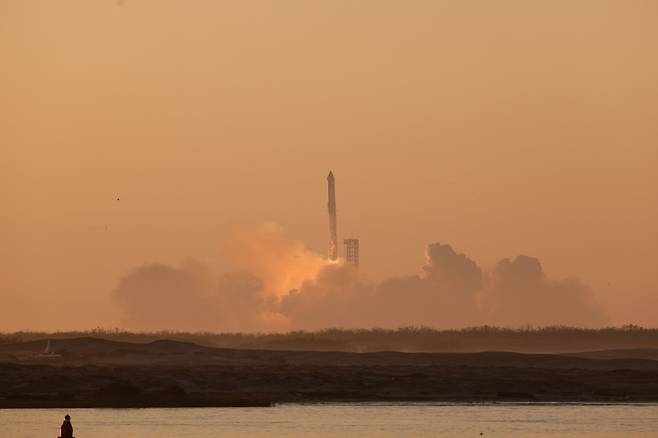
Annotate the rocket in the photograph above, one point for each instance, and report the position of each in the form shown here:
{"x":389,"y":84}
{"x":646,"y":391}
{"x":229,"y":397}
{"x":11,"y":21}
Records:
{"x":331,"y":205}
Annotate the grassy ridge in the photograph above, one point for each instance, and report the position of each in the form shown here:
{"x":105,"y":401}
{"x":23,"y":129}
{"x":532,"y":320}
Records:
{"x":413,"y":339}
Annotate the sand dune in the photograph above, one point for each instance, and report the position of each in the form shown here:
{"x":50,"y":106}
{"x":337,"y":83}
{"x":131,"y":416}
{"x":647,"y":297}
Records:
{"x":93,"y":351}
{"x":89,"y":372}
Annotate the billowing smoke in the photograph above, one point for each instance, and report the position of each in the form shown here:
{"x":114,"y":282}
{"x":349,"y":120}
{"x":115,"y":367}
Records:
{"x":337,"y":297}
{"x":281,"y":263}
{"x":160,"y":297}
{"x":520,"y":293}
{"x":442,"y":295}
{"x":281,"y":285}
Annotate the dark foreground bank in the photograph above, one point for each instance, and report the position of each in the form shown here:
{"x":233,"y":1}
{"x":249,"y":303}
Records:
{"x":95,"y":373}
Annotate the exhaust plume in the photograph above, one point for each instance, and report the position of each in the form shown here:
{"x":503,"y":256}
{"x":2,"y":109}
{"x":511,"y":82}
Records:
{"x":280,"y":285}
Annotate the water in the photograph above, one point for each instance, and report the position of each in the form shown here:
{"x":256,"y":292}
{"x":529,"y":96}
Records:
{"x":342,"y":420}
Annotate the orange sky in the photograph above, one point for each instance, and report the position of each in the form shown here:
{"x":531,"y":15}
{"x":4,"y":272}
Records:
{"x":501,"y":128}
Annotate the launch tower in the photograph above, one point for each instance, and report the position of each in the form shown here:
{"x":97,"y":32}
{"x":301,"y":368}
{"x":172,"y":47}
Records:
{"x":352,"y":251}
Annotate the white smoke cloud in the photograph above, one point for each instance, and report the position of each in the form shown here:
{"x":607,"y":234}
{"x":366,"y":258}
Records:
{"x":520,"y":293}
{"x":282,"y":286}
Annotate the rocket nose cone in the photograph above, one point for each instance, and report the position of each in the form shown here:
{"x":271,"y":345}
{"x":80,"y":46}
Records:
{"x":331,"y":175}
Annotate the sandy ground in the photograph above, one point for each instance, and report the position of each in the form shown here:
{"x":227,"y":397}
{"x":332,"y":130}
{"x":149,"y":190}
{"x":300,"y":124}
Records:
{"x":89,"y":372}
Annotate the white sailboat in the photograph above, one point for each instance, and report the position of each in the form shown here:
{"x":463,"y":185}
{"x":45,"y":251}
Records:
{"x":48,"y":353}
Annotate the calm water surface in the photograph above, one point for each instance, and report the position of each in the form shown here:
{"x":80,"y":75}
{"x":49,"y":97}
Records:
{"x":342,"y":420}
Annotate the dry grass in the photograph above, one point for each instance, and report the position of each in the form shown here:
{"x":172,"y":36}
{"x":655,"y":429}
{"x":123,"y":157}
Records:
{"x":485,"y":338}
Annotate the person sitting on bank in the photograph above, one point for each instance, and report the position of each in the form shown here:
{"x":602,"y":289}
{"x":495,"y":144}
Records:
{"x":67,"y":427}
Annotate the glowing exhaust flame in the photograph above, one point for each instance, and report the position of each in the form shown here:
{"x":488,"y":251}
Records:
{"x":281,"y":263}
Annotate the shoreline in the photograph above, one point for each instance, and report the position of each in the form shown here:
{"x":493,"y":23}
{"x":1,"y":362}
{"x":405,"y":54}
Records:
{"x":273,"y":398}
{"x":355,"y":403}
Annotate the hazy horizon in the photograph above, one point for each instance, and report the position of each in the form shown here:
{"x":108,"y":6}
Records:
{"x":163,"y":163}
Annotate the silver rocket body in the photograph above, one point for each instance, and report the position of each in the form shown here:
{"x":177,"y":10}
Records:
{"x":331,"y":205}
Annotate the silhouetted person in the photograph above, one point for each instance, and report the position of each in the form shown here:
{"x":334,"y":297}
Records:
{"x":67,"y":427}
